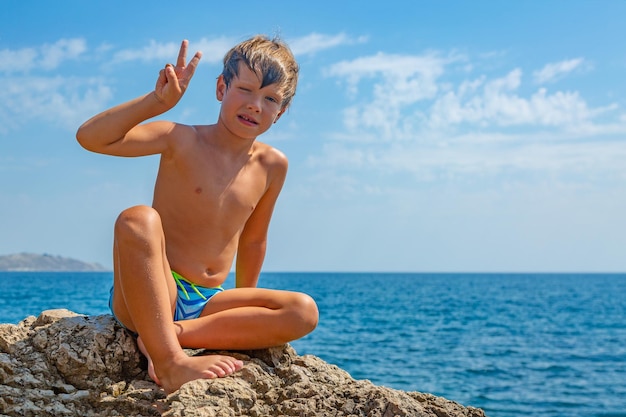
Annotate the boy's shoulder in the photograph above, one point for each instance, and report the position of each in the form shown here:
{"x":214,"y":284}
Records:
{"x":269,"y":154}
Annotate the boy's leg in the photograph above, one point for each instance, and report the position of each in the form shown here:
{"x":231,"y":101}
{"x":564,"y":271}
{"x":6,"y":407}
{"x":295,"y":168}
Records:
{"x":250,"y":318}
{"x":144,"y":296}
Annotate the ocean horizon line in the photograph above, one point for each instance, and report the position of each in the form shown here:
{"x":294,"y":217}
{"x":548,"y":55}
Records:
{"x":355,"y":272}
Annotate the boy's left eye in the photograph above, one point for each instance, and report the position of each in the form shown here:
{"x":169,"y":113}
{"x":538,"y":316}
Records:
{"x":272,"y":99}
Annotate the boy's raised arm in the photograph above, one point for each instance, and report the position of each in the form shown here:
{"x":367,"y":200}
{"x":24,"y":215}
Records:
{"x":117,"y":131}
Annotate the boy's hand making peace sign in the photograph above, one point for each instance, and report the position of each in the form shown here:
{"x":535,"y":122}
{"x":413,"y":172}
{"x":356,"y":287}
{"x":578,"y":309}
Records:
{"x":174,"y":80}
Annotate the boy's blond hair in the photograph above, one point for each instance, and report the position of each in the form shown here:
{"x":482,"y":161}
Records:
{"x":271,"y":58}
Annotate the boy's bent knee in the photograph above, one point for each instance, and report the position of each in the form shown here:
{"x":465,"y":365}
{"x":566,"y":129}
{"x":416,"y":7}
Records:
{"x":307,"y":310}
{"x":137,"y":220}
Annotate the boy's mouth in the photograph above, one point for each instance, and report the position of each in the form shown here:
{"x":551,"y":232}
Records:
{"x":247,"y":119}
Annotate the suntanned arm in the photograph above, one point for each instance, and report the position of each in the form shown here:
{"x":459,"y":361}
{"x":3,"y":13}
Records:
{"x":253,"y":239}
{"x":118,"y":131}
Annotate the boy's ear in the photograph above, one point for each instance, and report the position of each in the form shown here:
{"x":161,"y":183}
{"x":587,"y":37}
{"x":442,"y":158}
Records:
{"x":280,"y":113}
{"x":220,"y":88}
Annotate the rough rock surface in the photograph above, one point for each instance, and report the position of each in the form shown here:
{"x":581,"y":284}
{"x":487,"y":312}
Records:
{"x":64,"y":364}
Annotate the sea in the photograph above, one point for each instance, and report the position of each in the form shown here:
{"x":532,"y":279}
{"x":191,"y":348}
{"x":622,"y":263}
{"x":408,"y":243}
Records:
{"x":550,"y":345}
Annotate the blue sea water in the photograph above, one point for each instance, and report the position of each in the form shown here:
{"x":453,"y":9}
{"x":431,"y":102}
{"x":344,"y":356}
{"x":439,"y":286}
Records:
{"x":551,"y":345}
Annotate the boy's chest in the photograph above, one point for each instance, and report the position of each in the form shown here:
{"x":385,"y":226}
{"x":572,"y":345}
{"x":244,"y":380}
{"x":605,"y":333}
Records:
{"x":220,"y":191}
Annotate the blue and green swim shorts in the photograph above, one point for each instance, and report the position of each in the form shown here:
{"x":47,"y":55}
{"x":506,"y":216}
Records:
{"x":190,"y":301}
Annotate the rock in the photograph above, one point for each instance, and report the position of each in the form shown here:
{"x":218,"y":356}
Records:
{"x":64,"y":364}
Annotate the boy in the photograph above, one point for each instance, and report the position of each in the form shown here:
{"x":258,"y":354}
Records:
{"x":214,"y":196}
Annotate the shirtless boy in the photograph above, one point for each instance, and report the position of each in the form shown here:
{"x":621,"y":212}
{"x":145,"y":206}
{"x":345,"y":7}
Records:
{"x":214,"y":196}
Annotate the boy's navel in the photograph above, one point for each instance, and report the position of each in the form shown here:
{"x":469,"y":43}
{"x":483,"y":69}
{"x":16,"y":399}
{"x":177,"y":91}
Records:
{"x":198,"y":190}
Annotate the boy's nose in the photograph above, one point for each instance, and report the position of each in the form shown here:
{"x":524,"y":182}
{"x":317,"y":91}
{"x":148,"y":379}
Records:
{"x":254,"y":104}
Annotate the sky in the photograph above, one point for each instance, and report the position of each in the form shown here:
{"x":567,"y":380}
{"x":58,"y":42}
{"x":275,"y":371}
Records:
{"x":425,"y":136}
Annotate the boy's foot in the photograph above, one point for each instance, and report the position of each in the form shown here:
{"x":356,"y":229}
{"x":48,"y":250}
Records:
{"x":185,"y":369}
{"x":143,"y":350}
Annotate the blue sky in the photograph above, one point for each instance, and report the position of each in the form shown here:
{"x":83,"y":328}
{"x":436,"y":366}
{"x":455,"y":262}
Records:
{"x":425,"y":135}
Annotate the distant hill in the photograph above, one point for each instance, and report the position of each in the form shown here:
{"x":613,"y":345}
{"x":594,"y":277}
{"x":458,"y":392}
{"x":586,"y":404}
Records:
{"x":45,"y":262}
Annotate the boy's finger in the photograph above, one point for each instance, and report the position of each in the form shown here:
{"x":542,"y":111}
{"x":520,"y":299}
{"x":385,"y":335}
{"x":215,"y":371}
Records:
{"x":194,"y":61}
{"x":182,"y":54}
{"x":170,"y":74}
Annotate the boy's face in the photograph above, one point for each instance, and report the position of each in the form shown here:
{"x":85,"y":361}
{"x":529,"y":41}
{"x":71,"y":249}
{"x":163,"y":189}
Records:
{"x":247,"y":109}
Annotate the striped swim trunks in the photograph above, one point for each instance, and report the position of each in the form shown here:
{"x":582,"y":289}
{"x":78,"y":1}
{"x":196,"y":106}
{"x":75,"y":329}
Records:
{"x":191,"y":298}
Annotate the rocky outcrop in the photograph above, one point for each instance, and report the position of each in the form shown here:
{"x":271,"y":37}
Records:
{"x":64,"y":364}
{"x":48,"y":263}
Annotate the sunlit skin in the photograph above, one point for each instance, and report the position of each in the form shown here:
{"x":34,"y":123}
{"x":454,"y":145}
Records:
{"x":213,"y":200}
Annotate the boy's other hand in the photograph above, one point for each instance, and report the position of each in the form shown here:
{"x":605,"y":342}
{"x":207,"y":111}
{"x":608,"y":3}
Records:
{"x":174,"y":80}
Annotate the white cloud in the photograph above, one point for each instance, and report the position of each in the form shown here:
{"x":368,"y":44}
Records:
{"x":416,"y":72}
{"x":406,"y":91}
{"x":554,"y":71}
{"x":46,"y":57}
{"x":21,"y":60}
{"x":399,"y":82}
{"x":498,"y":103}
{"x":54,"y":54}
{"x":316,"y":42}
{"x":60,"y":100}
{"x":154,"y":51}
{"x":213,"y":51}
{"x":412,"y":116}
{"x":64,"y":102}
{"x":497,"y":158}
